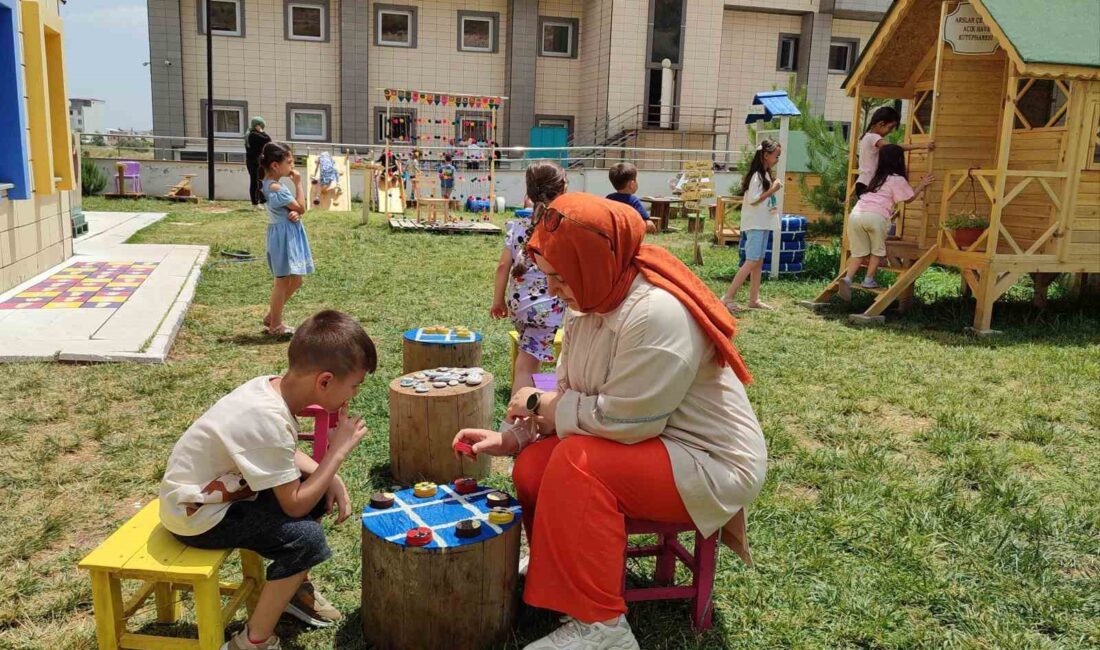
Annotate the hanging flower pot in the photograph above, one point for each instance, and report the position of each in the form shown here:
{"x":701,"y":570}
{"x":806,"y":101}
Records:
{"x":966,"y":228}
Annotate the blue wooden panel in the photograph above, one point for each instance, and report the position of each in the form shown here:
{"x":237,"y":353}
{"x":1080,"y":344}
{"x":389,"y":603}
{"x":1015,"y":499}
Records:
{"x":14,"y":166}
{"x":549,"y":138}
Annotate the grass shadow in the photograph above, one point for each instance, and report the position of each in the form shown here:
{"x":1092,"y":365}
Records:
{"x":254,"y":339}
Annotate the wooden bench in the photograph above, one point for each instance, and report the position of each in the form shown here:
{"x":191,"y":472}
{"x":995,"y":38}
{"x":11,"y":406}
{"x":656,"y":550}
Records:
{"x":723,"y":232}
{"x":144,"y":550}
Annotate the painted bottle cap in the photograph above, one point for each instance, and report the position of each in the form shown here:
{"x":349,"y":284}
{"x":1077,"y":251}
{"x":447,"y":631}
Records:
{"x":467,"y":528}
{"x":418,"y":536}
{"x":424,"y":490}
{"x":381,"y":500}
{"x":465,"y":485}
{"x":497,"y":499}
{"x":465,"y":448}
{"x":501,"y":516}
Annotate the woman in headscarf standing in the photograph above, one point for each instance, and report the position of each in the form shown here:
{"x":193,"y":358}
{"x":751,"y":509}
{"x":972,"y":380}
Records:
{"x":650,"y":419}
{"x":253,"y":146}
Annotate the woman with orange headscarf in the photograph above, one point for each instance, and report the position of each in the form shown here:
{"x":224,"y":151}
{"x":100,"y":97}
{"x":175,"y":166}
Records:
{"x":650,"y":419}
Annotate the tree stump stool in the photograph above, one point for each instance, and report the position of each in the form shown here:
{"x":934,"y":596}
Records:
{"x":424,"y":348}
{"x":455,"y":589}
{"x":423,"y":424}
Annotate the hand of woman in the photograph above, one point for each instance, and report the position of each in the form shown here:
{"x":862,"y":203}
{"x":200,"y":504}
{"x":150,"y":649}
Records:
{"x":489,"y":442}
{"x":548,"y":401}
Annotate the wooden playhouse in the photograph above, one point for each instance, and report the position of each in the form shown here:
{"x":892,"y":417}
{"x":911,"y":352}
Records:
{"x":1009,"y":90}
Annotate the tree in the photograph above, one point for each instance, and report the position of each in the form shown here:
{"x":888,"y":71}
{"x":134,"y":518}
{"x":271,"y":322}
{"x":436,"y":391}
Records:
{"x":98,"y":141}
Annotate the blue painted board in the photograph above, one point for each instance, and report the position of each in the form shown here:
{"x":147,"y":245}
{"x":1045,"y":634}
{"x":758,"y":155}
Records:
{"x":450,"y":338}
{"x":440,"y":513}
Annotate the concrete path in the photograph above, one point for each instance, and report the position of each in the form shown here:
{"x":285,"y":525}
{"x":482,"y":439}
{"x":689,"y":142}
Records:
{"x":142,"y":329}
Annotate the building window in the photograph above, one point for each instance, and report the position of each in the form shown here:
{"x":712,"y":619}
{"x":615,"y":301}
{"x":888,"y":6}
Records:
{"x":559,"y":37}
{"x":1094,"y":159}
{"x":844,"y":128}
{"x":395,"y":25}
{"x":306,"y":20}
{"x":226,"y":17}
{"x":667,"y":35}
{"x":787,"y":56}
{"x":308,"y":121}
{"x":477,"y":31}
{"x":230,"y":118}
{"x":842,"y":55}
{"x":471,"y":125}
{"x":1041,"y":103}
{"x":399,"y":124}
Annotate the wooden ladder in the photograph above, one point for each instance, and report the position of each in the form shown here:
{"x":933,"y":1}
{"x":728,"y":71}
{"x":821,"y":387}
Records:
{"x":907,"y":275}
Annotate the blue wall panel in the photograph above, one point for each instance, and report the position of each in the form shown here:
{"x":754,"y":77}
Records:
{"x":14,"y":167}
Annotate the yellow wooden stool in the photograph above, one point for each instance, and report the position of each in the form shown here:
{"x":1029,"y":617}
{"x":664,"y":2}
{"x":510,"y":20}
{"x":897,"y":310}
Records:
{"x":514,"y":335}
{"x":144,"y":550}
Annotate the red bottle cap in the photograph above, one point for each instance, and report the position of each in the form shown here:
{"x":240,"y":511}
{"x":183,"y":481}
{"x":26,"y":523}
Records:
{"x":465,"y":448}
{"x":418,"y":536}
{"x":465,"y":485}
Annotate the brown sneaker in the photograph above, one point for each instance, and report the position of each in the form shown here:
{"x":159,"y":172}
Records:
{"x":309,"y":606}
{"x":240,"y":642}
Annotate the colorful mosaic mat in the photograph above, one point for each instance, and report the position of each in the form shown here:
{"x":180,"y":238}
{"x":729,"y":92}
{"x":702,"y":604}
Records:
{"x":84,"y":285}
{"x":440,"y":513}
{"x":451,"y":337}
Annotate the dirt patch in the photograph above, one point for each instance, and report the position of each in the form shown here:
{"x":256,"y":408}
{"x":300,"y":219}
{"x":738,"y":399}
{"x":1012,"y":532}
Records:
{"x":895,"y":418}
{"x":798,"y":492}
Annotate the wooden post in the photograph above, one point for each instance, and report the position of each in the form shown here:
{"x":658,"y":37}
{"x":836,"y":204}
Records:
{"x":423,"y":425}
{"x":492,"y":159}
{"x":854,"y":134}
{"x":1008,"y":117}
{"x":934,"y":97}
{"x":1080,"y":137}
{"x":780,"y":173}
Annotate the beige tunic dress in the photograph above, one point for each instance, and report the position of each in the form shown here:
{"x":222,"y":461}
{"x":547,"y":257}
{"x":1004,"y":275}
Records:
{"x":647,"y":370}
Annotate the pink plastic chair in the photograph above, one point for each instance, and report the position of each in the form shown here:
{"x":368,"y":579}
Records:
{"x":323,"y":422}
{"x":667,"y":550}
{"x":131,"y":173}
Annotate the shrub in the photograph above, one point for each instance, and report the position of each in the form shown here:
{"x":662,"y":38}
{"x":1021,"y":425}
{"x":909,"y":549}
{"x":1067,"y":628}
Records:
{"x":965,"y":220}
{"x":92,"y":180}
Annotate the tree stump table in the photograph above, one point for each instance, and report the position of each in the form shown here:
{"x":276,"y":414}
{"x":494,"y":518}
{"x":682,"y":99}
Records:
{"x":426,"y":348}
{"x":457,"y":590}
{"x":423,"y":424}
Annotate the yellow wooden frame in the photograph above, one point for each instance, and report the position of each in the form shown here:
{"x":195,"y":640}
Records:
{"x":1093,"y":126}
{"x":47,"y":100}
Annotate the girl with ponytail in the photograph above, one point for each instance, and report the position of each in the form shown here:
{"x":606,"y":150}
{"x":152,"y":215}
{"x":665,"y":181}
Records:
{"x":759,"y":213}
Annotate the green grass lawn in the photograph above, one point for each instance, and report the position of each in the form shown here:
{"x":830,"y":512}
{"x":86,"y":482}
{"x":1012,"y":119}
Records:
{"x":926,"y":489}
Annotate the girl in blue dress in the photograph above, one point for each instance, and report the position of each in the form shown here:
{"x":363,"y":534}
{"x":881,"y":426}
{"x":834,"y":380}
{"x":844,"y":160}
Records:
{"x":288,"y":254}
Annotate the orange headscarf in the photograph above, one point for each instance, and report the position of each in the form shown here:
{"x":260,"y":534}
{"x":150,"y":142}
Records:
{"x":580,"y":250}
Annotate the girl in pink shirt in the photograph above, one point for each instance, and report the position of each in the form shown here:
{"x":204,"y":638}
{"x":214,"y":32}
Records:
{"x":883,"y":122}
{"x":870,"y":218}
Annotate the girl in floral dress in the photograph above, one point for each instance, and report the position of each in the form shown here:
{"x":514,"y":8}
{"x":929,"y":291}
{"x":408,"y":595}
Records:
{"x":521,"y":288}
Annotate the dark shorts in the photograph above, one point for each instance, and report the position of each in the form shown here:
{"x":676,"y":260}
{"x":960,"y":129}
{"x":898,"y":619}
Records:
{"x":292,"y":545}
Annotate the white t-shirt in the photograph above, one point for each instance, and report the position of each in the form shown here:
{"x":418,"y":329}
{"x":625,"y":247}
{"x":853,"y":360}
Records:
{"x":868,"y":157}
{"x":473,"y":152}
{"x":763,"y":215}
{"x":249,"y":434}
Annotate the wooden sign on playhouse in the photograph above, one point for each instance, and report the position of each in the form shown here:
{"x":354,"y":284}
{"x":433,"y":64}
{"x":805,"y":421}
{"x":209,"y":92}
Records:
{"x":964,"y":29}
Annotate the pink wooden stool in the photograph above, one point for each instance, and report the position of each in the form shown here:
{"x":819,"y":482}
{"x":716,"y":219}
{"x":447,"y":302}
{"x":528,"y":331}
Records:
{"x":667,"y":550}
{"x":546,"y":381}
{"x":323,"y":422}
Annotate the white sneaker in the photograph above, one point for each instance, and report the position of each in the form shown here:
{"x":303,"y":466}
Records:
{"x":575,"y":635}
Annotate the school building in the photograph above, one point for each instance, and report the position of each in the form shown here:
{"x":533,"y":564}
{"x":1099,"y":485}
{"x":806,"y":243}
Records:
{"x":590,"y":71}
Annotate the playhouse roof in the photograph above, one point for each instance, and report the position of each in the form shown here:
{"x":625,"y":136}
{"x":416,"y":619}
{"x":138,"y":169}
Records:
{"x":1041,"y":36}
{"x":1050,"y":31}
{"x":776,"y":103}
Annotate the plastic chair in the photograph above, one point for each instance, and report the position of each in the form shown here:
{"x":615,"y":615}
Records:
{"x":667,"y":550}
{"x":323,"y":422}
{"x":132,"y":173}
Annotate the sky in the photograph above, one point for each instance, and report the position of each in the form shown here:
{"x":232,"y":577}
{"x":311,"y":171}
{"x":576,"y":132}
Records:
{"x":106,"y":42}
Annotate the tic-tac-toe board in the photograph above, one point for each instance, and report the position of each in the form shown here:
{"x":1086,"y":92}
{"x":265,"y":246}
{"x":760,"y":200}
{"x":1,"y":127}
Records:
{"x":420,"y":336}
{"x":440,"y":513}
{"x":84,"y":285}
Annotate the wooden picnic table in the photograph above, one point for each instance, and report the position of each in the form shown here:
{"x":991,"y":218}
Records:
{"x":661,"y":208}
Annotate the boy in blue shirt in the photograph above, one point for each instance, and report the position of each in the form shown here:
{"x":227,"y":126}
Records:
{"x":624,"y":178}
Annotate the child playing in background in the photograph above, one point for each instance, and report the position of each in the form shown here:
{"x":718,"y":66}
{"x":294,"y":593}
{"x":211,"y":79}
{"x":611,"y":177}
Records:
{"x":288,"y":253}
{"x":521,"y":288}
{"x":759,"y":212}
{"x":236,"y":479}
{"x":883,"y":122}
{"x":326,"y":177}
{"x":624,"y":178}
{"x":870,"y":218}
{"x":447,"y":173}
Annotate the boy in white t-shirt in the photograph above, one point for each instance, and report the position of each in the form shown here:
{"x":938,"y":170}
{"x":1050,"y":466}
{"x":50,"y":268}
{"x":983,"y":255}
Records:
{"x":870,"y":218}
{"x":236,"y":479}
{"x":883,"y":122}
